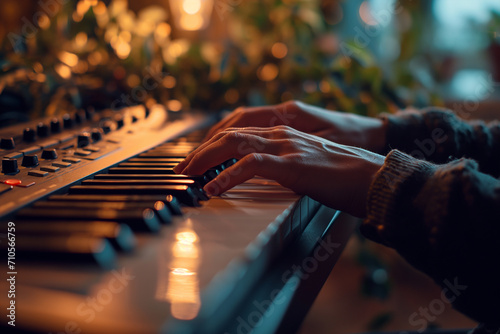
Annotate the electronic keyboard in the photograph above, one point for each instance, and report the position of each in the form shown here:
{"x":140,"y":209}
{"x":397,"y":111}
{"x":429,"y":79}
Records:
{"x":100,"y":236}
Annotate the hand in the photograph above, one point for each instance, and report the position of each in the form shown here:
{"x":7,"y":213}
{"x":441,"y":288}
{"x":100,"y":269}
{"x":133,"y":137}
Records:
{"x":342,"y":128}
{"x":336,"y":175}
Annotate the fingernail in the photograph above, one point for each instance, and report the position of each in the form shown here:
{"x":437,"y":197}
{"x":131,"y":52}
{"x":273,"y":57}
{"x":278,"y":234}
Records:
{"x":209,"y":188}
{"x":207,"y":191}
{"x":179,"y":167}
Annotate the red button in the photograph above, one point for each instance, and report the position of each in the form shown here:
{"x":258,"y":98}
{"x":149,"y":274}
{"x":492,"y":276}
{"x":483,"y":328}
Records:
{"x":12,"y":182}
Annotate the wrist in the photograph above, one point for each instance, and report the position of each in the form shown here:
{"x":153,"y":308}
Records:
{"x":377,"y":135}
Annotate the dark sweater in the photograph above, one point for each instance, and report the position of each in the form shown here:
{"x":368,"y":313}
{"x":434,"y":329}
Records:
{"x":441,"y":212}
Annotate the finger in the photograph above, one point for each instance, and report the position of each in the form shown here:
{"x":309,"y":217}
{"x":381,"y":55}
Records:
{"x":277,"y":132}
{"x":253,"y":116}
{"x":233,"y":145}
{"x":255,"y":164}
{"x":182,"y":165}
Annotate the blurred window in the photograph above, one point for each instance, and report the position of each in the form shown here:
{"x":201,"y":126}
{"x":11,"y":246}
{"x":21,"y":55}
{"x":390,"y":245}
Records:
{"x":461,"y":24}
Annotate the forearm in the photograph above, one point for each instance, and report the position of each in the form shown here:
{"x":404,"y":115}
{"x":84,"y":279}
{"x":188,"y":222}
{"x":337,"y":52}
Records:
{"x":445,"y":220}
{"x":436,"y":135}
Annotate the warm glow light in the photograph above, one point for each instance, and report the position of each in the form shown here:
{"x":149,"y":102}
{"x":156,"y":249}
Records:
{"x":100,"y":8}
{"x":82,"y":7}
{"x":95,"y":58}
{"x":162,"y":32}
{"x":44,"y":21}
{"x":186,"y":237}
{"x":191,"y":6}
{"x":183,"y":290}
{"x":37,"y":67}
{"x":123,"y":49}
{"x":191,"y":14}
{"x":125,"y":36}
{"x":133,"y":80}
{"x":174,"y":105}
{"x":169,"y":81}
{"x":268,"y":72}
{"x":177,"y":48}
{"x":68,"y":58}
{"x":185,"y":250}
{"x":81,"y":39}
{"x":81,"y":67}
{"x":279,"y":50}
{"x":63,"y":70}
{"x":324,"y":86}
{"x":191,"y":22}
{"x":41,"y":77}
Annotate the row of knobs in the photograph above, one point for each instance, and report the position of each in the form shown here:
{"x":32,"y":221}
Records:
{"x":43,"y":130}
{"x":9,"y":166}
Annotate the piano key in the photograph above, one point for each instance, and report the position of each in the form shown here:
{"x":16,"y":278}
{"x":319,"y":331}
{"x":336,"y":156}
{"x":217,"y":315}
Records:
{"x":159,"y":182}
{"x":132,"y":170}
{"x":148,"y":164}
{"x":119,"y":235}
{"x":164,"y":160}
{"x":141,"y":221}
{"x":228,"y":163}
{"x":157,"y":154}
{"x":200,"y":179}
{"x":73,"y":250}
{"x":212,"y":173}
{"x":184,"y":193}
{"x":172,"y":203}
{"x":158,"y":206}
{"x":196,"y":188}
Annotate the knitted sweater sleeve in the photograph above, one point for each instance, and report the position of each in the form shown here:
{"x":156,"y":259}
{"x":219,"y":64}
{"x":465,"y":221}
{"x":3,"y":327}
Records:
{"x":437,"y":135}
{"x":444,"y":220}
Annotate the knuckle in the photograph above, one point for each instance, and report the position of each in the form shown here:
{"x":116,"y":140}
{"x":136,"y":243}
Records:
{"x":284,"y":128}
{"x":296,"y":159}
{"x":253,"y":158}
{"x":231,"y":136}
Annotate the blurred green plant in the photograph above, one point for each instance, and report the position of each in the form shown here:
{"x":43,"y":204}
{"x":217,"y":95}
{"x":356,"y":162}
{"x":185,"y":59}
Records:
{"x":91,"y":53}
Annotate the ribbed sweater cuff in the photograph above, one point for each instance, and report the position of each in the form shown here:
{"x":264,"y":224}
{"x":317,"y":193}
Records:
{"x":385,"y":192}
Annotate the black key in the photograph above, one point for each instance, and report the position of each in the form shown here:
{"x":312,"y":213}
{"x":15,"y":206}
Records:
{"x":142,"y":221}
{"x":172,"y":202}
{"x":119,"y":235}
{"x":228,"y":163}
{"x":158,"y":206}
{"x":70,"y":250}
{"x":212,"y":173}
{"x":184,"y":193}
{"x":174,"y":205}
